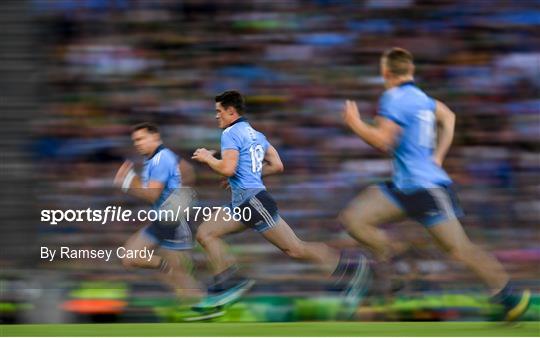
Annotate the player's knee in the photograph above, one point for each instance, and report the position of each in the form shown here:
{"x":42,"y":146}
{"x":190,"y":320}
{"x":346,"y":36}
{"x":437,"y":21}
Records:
{"x":346,"y":218}
{"x":204,"y":237}
{"x":295,"y":251}
{"x":130,"y":262}
{"x":351,"y":220}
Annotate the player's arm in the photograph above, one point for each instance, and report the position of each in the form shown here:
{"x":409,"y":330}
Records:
{"x":187,"y":172}
{"x":130,"y":182}
{"x":272,"y":162}
{"x":381,"y":136}
{"x":446,"y":120}
{"x":226,"y":166}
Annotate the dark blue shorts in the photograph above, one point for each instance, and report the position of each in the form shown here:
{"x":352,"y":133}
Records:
{"x":170,"y":237}
{"x":264,"y":212}
{"x":174,"y":234}
{"x":429,"y":206}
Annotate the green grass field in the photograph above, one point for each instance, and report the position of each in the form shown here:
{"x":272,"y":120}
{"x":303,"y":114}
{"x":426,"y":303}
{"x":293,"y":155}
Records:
{"x":319,"y":329}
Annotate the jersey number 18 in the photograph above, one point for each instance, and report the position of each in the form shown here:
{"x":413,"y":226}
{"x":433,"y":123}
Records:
{"x":257,"y":157}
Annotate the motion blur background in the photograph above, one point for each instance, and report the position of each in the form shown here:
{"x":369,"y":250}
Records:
{"x":77,"y":73}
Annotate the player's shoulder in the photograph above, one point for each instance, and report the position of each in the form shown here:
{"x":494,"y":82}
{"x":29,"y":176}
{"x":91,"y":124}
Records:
{"x":397,"y":92}
{"x":253,"y":134}
{"x":260,"y":134}
{"x":228,"y":130}
{"x":235,"y":128}
{"x":164,"y":156}
{"x":400,"y":94}
{"x":238,"y":129}
{"x":391,"y":95}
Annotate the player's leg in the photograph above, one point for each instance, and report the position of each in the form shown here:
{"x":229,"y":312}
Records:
{"x":451,"y":237}
{"x":209,"y":235}
{"x":140,"y":241}
{"x":228,"y":285}
{"x":167,"y":262}
{"x":454,"y":241}
{"x":282,"y":236}
{"x":353,"y":272}
{"x":266,"y":220}
{"x":372,"y":207}
{"x":178,"y":274}
{"x":439,"y":212}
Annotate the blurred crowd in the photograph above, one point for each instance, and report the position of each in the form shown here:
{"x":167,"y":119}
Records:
{"x":109,"y":64}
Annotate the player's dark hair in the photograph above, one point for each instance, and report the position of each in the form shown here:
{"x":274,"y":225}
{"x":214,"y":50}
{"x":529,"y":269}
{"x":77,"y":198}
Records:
{"x":399,"y":61}
{"x":232,"y":98}
{"x":149,"y":126}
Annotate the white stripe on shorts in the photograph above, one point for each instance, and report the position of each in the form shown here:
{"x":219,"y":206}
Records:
{"x":272,"y":221}
{"x":254,"y":201}
{"x":441,"y":198}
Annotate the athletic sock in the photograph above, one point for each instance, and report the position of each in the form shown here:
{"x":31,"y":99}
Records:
{"x":506,"y":296}
{"x":225,"y":280}
{"x":345,"y":268}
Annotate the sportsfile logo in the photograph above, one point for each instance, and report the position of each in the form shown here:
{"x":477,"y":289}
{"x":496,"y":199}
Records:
{"x":110,"y":213}
{"x":163,"y":215}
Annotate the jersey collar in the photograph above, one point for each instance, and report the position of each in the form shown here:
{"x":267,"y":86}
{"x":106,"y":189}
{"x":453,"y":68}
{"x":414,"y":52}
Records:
{"x":406,"y":83}
{"x":238,"y":120}
{"x":158,"y":149}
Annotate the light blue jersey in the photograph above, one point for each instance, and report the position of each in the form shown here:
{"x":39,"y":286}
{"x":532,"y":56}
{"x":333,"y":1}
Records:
{"x":162,"y":166}
{"x":252,"y":146}
{"x":414,"y":112}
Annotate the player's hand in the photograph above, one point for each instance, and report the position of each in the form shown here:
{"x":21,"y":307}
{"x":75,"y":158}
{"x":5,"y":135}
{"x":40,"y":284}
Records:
{"x":122,"y":172}
{"x":203,"y":155}
{"x":350,"y":112}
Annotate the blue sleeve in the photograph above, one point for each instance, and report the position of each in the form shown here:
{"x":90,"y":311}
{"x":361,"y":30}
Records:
{"x":163,"y":167}
{"x":265,"y":144}
{"x":230,"y":140}
{"x":433,"y":104}
{"x":390,"y":110}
